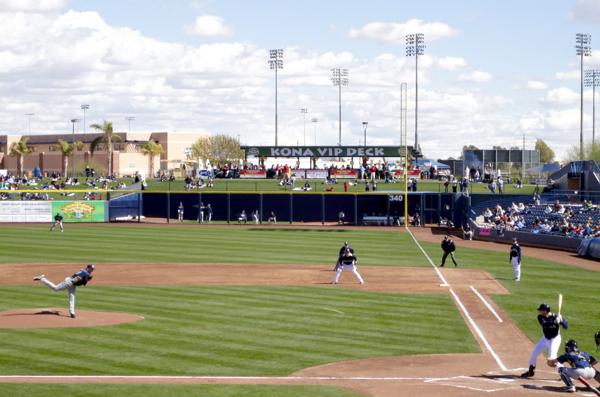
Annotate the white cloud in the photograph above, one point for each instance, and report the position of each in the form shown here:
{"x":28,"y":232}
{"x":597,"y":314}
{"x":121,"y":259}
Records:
{"x":567,"y":76}
{"x":586,"y":11}
{"x":560,"y":97}
{"x":199,"y":5}
{"x":536,"y":85}
{"x":32,"y":5}
{"x":474,"y":77}
{"x":209,"y":26}
{"x":395,"y":33}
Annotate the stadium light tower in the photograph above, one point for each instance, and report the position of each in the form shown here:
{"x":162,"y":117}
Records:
{"x":315,"y":120}
{"x":84,"y":107}
{"x":583,"y":50}
{"x":276,"y":63}
{"x":29,"y":117}
{"x":340,"y":78}
{"x":365,"y":123}
{"x":304,"y":111}
{"x":592,"y":79}
{"x":129,"y":119}
{"x":415,"y":47}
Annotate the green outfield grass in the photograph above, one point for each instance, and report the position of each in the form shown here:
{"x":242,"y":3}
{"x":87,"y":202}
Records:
{"x":91,"y":390}
{"x":262,"y":330}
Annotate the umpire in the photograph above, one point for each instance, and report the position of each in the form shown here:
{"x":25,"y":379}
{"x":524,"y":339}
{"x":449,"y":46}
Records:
{"x":449,"y":247}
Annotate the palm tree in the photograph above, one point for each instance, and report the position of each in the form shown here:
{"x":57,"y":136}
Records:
{"x":20,"y":149}
{"x":67,"y":150}
{"x":106,"y":128}
{"x":151,"y":149}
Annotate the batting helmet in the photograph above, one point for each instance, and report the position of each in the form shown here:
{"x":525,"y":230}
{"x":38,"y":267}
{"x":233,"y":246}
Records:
{"x":544,"y":306}
{"x":597,"y":339}
{"x":572,"y":344}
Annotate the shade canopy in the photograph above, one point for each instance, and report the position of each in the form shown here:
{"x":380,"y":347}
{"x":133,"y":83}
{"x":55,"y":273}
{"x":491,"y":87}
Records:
{"x":544,"y":168}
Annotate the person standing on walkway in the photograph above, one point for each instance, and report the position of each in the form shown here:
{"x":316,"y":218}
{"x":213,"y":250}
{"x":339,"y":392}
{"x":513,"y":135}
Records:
{"x":449,"y":247}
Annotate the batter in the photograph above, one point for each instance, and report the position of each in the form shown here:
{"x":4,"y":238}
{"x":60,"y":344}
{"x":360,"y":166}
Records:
{"x":551,"y":340}
{"x":71,"y":283}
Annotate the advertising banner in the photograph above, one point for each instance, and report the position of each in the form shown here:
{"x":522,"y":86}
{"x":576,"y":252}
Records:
{"x":484,"y":231}
{"x":80,"y":211}
{"x":25,"y":211}
{"x":325,"y":151}
{"x":416,"y":173}
{"x":253,"y":174}
{"x":317,"y":174}
{"x":343,"y":174}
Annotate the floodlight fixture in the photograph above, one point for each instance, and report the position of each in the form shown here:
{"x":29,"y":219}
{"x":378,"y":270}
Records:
{"x":276,"y":62}
{"x":365,"y":123}
{"x":29,"y":117}
{"x":129,"y":119}
{"x":592,"y":79}
{"x":84,"y":107}
{"x":583,"y":49}
{"x":304,"y":111}
{"x":339,"y":79}
{"x":73,"y":121}
{"x":415,"y":47}
{"x":315,"y":120}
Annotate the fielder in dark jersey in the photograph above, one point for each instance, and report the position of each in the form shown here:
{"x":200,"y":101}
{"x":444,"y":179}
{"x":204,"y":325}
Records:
{"x":348,"y":261}
{"x":551,"y":340}
{"x":58,"y":221}
{"x":342,"y":253}
{"x":515,"y":259}
{"x":581,"y":365}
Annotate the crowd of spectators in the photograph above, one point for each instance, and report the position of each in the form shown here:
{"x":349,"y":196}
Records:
{"x":576,"y":221}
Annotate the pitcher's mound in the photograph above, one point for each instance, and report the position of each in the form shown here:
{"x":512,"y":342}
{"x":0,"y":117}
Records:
{"x":55,"y":318}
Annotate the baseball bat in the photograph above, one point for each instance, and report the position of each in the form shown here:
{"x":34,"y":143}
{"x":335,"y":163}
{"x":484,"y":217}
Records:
{"x":592,"y":388}
{"x":559,"y":302}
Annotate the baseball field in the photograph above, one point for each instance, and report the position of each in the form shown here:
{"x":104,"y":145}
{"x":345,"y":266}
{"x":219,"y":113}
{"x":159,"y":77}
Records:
{"x":251,"y":311}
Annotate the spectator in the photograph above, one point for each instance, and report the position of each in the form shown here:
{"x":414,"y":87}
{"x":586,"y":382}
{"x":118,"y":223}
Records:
{"x":414,"y":185}
{"x":492,"y":186}
{"x":446,"y":186}
{"x":345,"y":186}
{"x":555,"y":229}
{"x":454,"y":184}
{"x":548,"y":209}
{"x":188,"y":182}
{"x":586,"y":232}
{"x":487,"y":215}
{"x":519,"y":184}
{"x":536,"y":200}
{"x":374,"y":184}
{"x":500,"y":184}
{"x":366,"y":186}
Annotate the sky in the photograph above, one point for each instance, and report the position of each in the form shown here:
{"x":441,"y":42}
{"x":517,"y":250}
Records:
{"x":493,"y":72}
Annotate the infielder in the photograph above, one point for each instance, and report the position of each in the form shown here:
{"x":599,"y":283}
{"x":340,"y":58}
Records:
{"x":581,"y":365}
{"x":551,"y":340}
{"x":342,"y":253}
{"x":348,"y":261}
{"x":58,"y":221}
{"x":71,"y":283}
{"x":515,"y":259}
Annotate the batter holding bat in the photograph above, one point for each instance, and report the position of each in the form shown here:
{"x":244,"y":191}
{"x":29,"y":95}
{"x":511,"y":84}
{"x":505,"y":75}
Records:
{"x":551,"y":340}
{"x":71,"y":283}
{"x":581,"y":366}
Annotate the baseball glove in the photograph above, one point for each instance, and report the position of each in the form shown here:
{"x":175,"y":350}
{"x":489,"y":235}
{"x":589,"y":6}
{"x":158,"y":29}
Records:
{"x":551,"y":364}
{"x":90,"y":278}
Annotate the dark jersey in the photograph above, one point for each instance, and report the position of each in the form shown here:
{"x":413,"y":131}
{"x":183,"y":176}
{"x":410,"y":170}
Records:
{"x":448,"y":246}
{"x":348,"y":260}
{"x":515,"y":250}
{"x":81,"y":277}
{"x":577,"y":359}
{"x":343,"y":250}
{"x":58,"y":218}
{"x":549,"y":326}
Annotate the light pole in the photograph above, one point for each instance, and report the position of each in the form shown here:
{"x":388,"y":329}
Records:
{"x":583,"y":49}
{"x":365,"y":123}
{"x":415,"y":48}
{"x":73,"y":121}
{"x":84,"y":107}
{"x":315,"y":120}
{"x":340,"y":78}
{"x":29,"y":116}
{"x":276,"y":62}
{"x":129,"y":119}
{"x":592,"y":79}
{"x":304,"y":111}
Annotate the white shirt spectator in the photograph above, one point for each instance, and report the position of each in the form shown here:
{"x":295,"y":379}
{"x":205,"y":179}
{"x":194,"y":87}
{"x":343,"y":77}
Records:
{"x":548,"y":209}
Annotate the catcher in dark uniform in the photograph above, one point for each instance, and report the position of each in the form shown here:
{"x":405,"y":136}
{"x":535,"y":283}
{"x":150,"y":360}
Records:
{"x":581,"y":365}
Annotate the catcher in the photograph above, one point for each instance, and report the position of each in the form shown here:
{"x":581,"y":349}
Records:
{"x":71,"y":283}
{"x":581,"y":365}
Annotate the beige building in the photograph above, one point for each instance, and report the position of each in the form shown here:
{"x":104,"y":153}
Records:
{"x":126,"y":158}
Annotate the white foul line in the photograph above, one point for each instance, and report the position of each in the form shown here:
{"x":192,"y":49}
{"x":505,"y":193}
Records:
{"x":478,"y":332}
{"x":434,"y":266}
{"x":487,"y":304}
{"x":461,"y":305}
{"x":211,"y":377}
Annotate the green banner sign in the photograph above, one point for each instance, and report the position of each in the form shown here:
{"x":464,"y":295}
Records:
{"x":326,"y":151}
{"x":80,"y":211}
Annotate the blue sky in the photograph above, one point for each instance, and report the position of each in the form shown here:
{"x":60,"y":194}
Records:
{"x":493,"y":71}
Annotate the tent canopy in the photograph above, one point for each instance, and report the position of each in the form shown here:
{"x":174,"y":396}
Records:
{"x":422,"y":162}
{"x":544,"y":168}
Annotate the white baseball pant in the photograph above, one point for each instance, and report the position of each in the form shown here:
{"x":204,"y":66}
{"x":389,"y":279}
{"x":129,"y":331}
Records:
{"x":67,"y":284}
{"x":344,"y":266}
{"x":517,"y":266}
{"x":551,"y":344}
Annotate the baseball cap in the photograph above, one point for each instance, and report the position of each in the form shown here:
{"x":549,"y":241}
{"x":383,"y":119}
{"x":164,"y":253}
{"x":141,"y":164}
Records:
{"x":515,"y":239}
{"x":90,"y":266}
{"x":346,"y":243}
{"x":445,"y":236}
